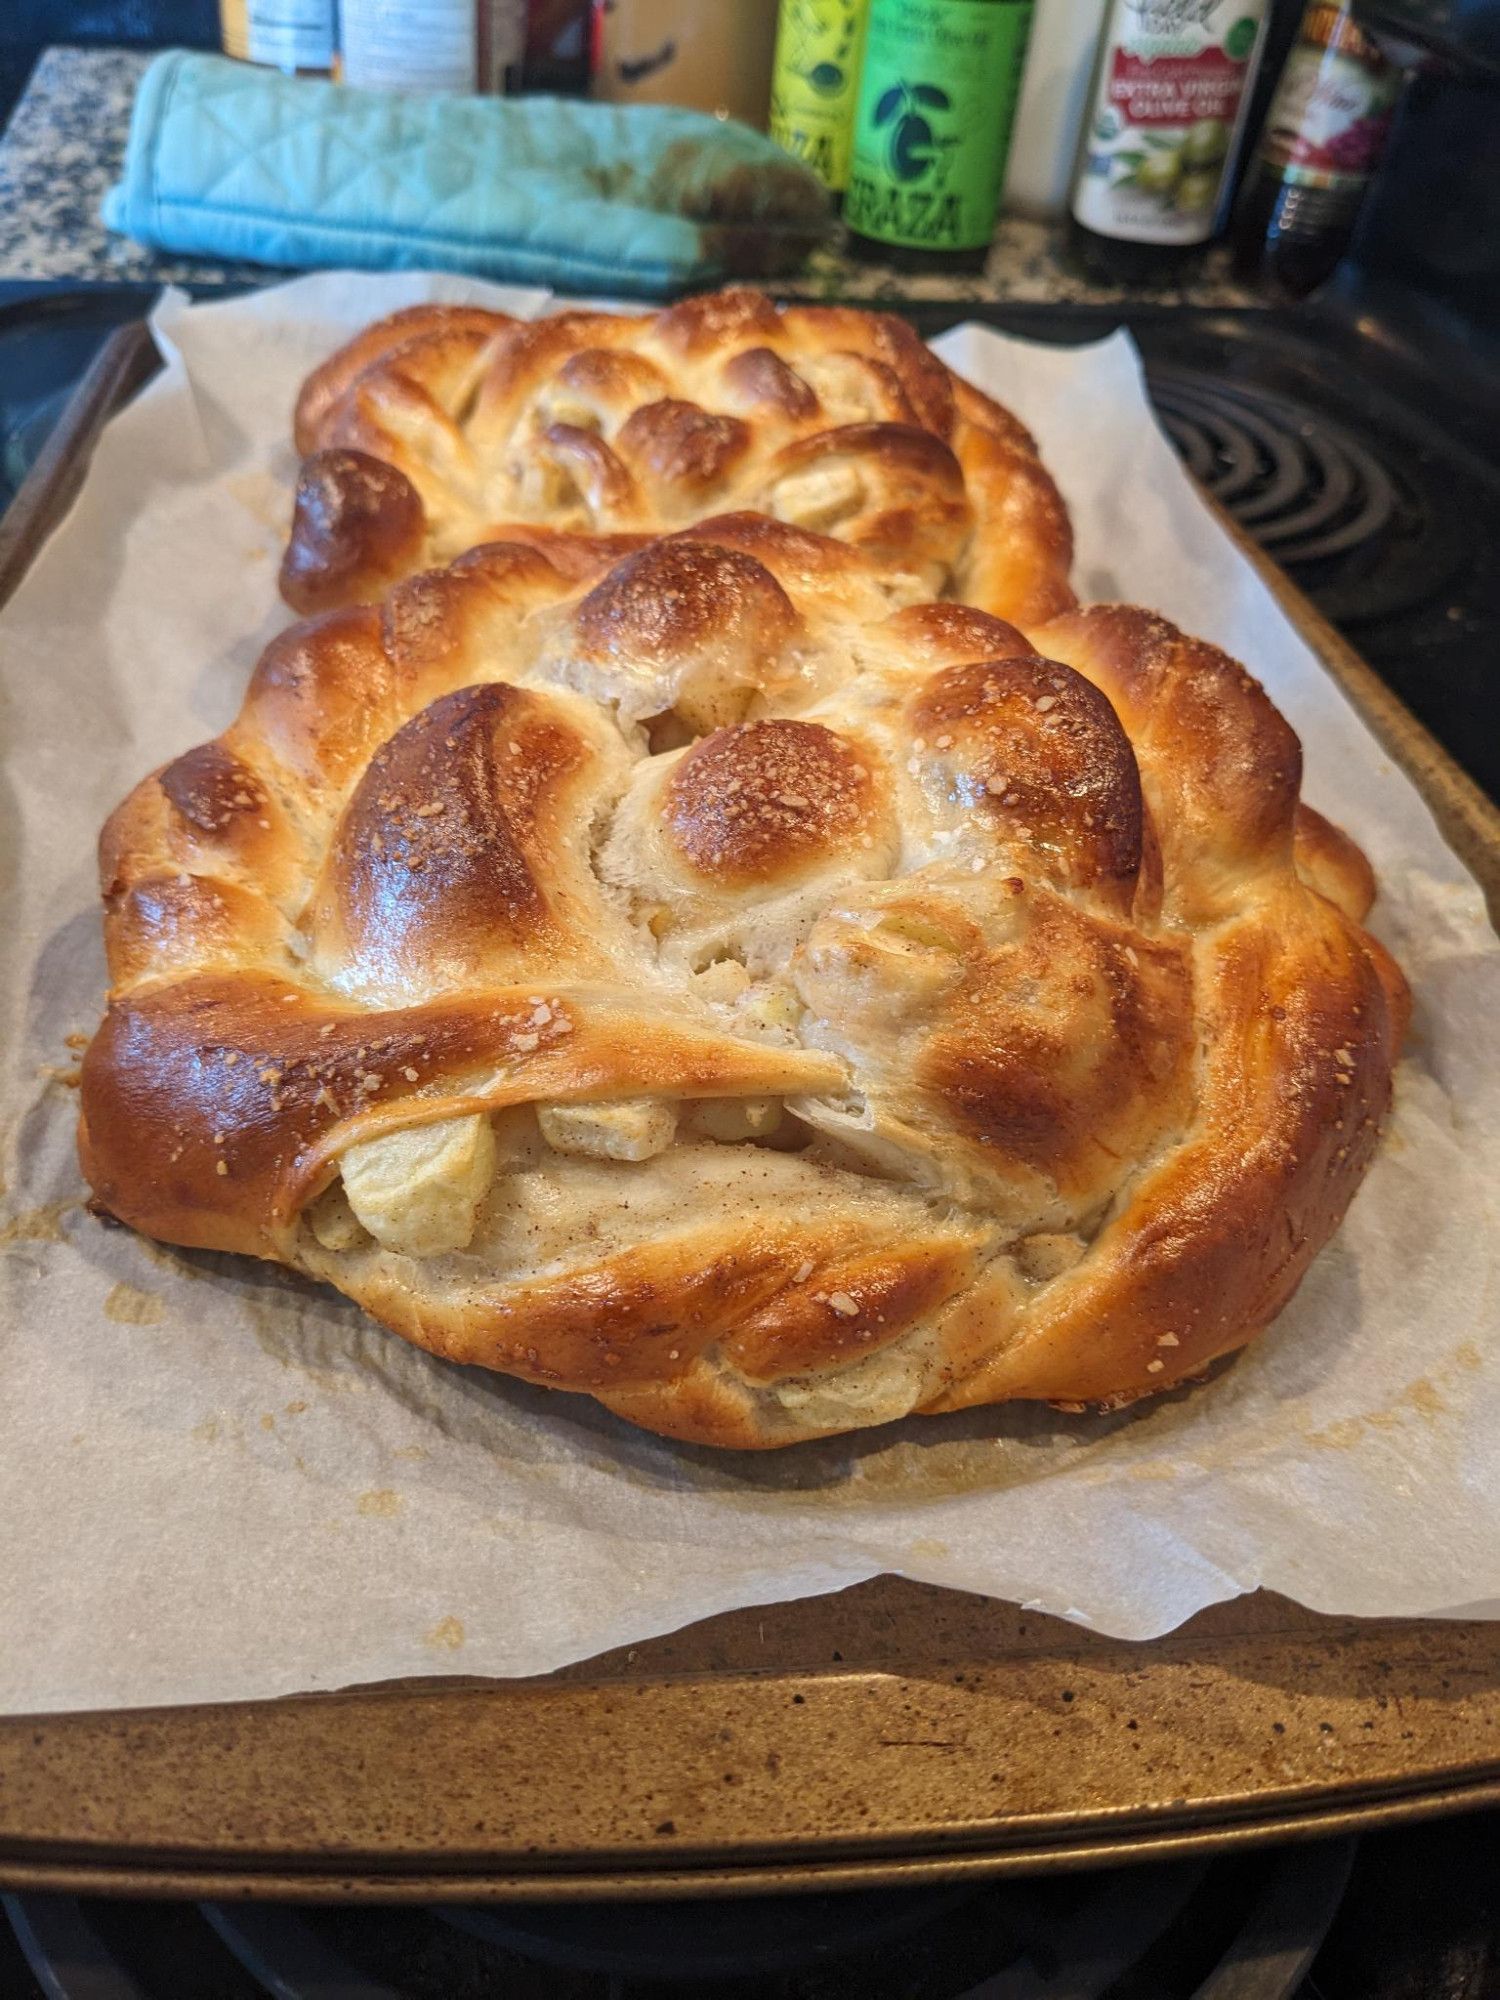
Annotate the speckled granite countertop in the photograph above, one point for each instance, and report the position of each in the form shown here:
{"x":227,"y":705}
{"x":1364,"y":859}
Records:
{"x":66,"y":140}
{"x":63,"y":147}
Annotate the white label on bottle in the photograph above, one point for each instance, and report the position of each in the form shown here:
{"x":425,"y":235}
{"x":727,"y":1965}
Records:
{"x":1167,"y":107}
{"x":430,"y":44}
{"x":290,"y":34}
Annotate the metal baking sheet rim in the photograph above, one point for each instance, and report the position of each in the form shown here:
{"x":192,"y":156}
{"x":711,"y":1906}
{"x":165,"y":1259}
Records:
{"x":827,"y":1860}
{"x":774,"y":1877}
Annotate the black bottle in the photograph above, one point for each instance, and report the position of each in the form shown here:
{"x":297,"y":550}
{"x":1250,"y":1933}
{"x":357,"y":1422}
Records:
{"x":1322,"y":139}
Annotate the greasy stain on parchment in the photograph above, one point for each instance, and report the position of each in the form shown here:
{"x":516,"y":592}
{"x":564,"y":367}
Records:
{"x":263,"y":499}
{"x":446,"y":1636}
{"x":381,"y":1502}
{"x":1424,"y":1399}
{"x":128,"y":1305}
{"x":38,"y":1225}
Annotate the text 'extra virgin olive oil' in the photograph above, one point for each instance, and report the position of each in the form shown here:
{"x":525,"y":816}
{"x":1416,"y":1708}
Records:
{"x":1165,"y":117}
{"x":937,"y":101}
{"x":820,"y":48}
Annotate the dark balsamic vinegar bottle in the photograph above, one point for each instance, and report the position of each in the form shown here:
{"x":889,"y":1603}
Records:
{"x":1322,"y":139}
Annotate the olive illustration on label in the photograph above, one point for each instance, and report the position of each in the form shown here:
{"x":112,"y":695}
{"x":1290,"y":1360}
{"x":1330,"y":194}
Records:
{"x":1241,"y":39}
{"x":912,"y":147}
{"x":1206,"y":143}
{"x":1157,"y":173}
{"x":1198,"y":190}
{"x":1179,"y":169}
{"x":804,"y":32}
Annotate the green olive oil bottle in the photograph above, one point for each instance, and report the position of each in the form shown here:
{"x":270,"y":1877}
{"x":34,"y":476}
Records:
{"x":937,"y":101}
{"x":820,"y":46}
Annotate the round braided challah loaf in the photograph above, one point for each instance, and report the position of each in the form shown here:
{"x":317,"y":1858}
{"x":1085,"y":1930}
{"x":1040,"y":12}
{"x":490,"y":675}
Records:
{"x":445,"y":427}
{"x":723,"y":982}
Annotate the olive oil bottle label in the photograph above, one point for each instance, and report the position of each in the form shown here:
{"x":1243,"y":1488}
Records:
{"x":820,"y":45}
{"x":936,"y":104}
{"x":287,"y":34}
{"x":1168,"y":101}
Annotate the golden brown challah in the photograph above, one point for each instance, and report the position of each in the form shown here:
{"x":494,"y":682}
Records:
{"x":444,"y":427}
{"x":723,"y":982}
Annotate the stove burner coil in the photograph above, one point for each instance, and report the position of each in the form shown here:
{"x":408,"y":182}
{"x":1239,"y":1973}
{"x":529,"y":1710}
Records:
{"x":1363,"y":538}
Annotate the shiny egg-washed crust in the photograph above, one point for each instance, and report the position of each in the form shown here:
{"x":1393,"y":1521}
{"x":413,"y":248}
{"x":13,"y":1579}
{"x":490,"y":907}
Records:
{"x":444,"y":427}
{"x":994,"y":1021}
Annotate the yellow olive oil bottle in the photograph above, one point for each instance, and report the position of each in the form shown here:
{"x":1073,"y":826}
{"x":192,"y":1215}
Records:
{"x":820,"y":45}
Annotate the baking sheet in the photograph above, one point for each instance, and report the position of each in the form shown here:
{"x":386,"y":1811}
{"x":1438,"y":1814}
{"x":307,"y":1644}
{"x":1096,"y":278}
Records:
{"x":221,"y":1482}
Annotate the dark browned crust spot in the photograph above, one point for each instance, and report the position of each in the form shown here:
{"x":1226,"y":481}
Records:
{"x":441,"y":851}
{"x":767,"y":800}
{"x":759,"y":376}
{"x":676,"y":596}
{"x":1045,"y":757}
{"x":214,"y":792}
{"x":678,"y":444}
{"x":797,"y":1330}
{"x":1066,"y":1049}
{"x":948,"y":634}
{"x":357,"y":525}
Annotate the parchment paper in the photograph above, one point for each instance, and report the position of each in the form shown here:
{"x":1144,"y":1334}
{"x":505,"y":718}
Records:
{"x":218,"y":1481}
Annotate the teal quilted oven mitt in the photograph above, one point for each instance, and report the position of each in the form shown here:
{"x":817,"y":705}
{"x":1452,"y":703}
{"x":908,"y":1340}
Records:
{"x":639,"y":199}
